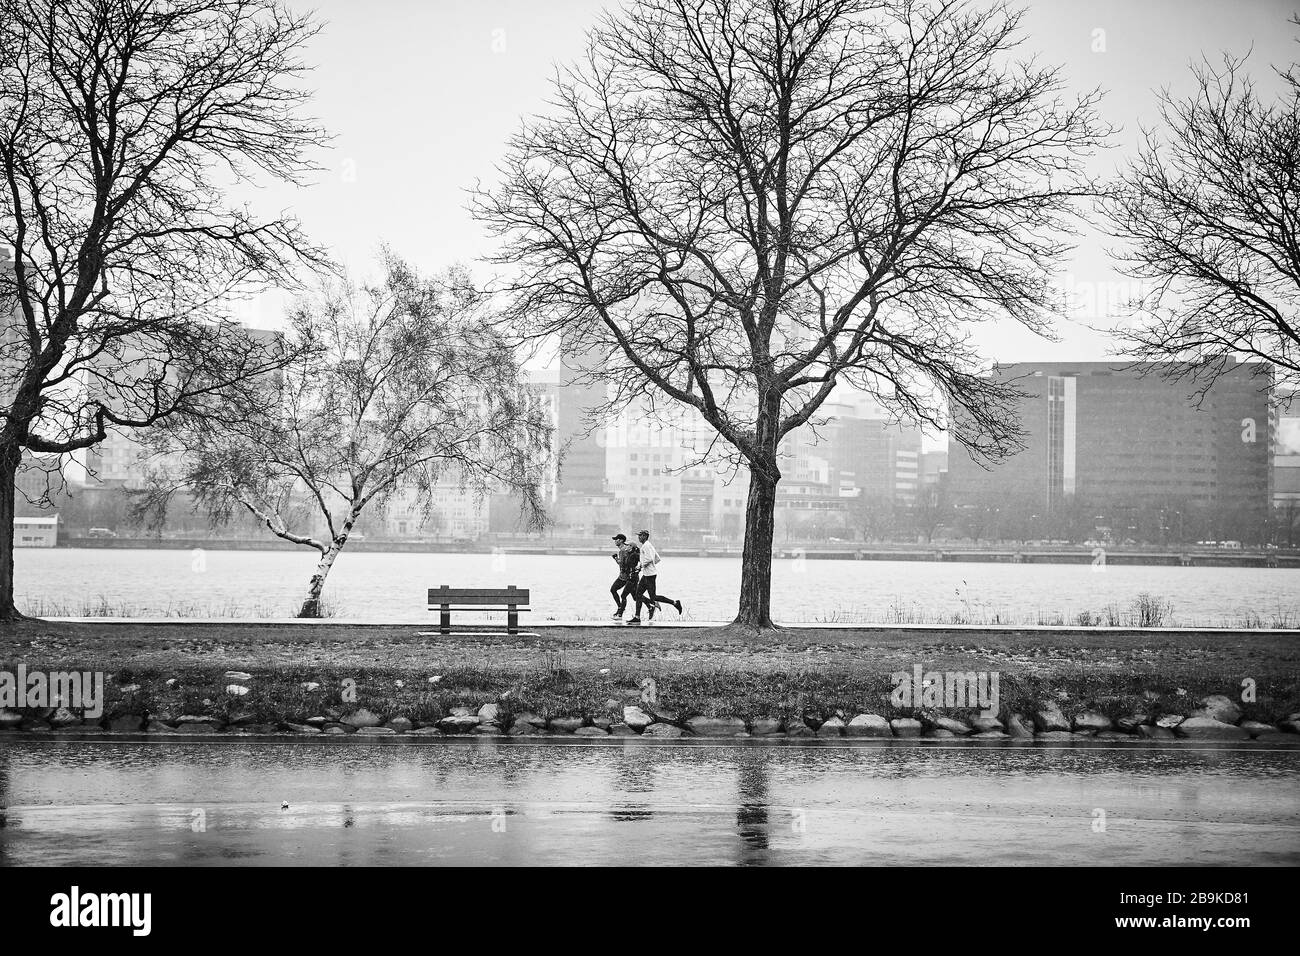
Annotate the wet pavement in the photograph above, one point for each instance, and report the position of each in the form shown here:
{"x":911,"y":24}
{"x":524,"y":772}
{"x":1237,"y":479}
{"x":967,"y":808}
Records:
{"x":543,"y":801}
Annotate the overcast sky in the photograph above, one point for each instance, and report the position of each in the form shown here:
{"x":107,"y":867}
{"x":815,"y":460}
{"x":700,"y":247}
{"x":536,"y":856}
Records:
{"x":422,"y":96}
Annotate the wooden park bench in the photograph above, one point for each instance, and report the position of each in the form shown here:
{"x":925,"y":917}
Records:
{"x":446,"y":599}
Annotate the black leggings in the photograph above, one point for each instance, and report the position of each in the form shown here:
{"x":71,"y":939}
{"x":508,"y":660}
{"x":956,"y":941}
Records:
{"x":622,"y":589}
{"x":648,"y":585}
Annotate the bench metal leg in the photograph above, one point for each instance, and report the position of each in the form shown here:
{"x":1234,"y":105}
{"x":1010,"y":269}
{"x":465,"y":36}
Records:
{"x":444,"y":620}
{"x":512,"y":620}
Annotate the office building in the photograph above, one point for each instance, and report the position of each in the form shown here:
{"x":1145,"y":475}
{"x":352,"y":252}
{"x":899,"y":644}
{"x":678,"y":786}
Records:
{"x":1125,"y":437}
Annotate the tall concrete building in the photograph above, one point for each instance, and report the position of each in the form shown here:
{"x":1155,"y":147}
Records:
{"x":1120,"y":436}
{"x":583,"y":469}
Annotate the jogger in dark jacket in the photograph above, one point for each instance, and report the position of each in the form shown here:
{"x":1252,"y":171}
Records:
{"x":628,"y":557}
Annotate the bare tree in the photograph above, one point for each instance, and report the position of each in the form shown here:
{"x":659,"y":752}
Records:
{"x":1210,"y":212}
{"x":743,"y":203}
{"x":120,"y":122}
{"x":394,"y":389}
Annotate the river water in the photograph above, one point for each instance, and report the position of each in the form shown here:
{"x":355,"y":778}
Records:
{"x":380,"y":587}
{"x":487,"y":801}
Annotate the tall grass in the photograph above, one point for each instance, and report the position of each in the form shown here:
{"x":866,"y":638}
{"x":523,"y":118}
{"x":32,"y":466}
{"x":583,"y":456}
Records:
{"x":102,"y":606}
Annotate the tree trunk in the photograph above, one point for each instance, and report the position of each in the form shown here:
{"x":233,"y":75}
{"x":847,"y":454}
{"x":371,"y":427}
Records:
{"x":311,"y":606}
{"x":10,"y":457}
{"x":756,"y":561}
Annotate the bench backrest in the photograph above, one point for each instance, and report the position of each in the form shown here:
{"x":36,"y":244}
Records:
{"x":484,"y":596}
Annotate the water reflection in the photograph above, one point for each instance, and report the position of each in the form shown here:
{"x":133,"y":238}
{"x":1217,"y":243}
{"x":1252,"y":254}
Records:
{"x":484,"y":801}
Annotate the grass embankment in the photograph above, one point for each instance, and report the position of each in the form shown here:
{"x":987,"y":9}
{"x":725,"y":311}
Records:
{"x":714,"y":672}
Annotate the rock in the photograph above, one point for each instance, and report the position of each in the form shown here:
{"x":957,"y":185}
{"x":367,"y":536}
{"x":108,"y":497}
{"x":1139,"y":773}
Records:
{"x":1155,"y":732}
{"x":9,"y":719}
{"x":487,"y":727}
{"x":991,"y":735}
{"x":126,"y":724}
{"x":831,"y":728}
{"x":129,"y":688}
{"x":1132,"y":722}
{"x":958,"y":728}
{"x":1020,"y":727}
{"x":303,"y":728}
{"x":241,"y":717}
{"x":334,"y":730}
{"x":158,"y":727}
{"x":868,"y":725}
{"x":797,"y":728}
{"x":1220,"y":708}
{"x":376,"y":732}
{"x":938,"y":733}
{"x":196,"y":728}
{"x":604,"y":723}
{"x":236,"y":690}
{"x":716,"y":726}
{"x":318,"y":721}
{"x":636,"y":718}
{"x":459,"y":723}
{"x":905,"y":727}
{"x":237,"y":676}
{"x":761,"y":726}
{"x":1257,"y":728}
{"x":333,"y":713}
{"x":565,"y":725}
{"x":592,"y":731}
{"x":1207,"y":728}
{"x":426,"y":732}
{"x":197,"y":719}
{"x":528,"y":717}
{"x":401,"y":725}
{"x":1091,"y":720}
{"x":461,"y":712}
{"x":981,"y":724}
{"x":662,"y":730}
{"x":62,"y":717}
{"x":1170,"y":721}
{"x":1048,"y":717}
{"x":621,"y":730}
{"x":1054,"y":735}
{"x":520,"y":728}
{"x":361,"y":718}
{"x":489,"y":712}
{"x":662,"y":715}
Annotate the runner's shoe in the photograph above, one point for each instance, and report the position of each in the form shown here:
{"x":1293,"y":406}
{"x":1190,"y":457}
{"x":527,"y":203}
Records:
{"x":634,"y":620}
{"x":617,"y":615}
{"x":653,"y":608}
{"x":678,"y":605}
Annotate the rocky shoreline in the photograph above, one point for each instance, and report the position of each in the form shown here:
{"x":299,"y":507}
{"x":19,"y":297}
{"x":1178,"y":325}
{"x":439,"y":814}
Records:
{"x":1213,"y":718}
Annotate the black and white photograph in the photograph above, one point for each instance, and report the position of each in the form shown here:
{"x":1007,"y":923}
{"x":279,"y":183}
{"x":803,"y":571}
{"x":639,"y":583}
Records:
{"x":860,"y":434}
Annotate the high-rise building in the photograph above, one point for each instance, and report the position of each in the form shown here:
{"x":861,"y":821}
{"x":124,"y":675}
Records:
{"x":1126,"y":436}
{"x":583,"y":469}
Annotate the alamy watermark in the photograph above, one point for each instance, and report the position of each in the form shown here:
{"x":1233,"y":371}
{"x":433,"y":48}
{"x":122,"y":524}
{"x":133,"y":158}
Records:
{"x":939,"y":689}
{"x":80,"y":690}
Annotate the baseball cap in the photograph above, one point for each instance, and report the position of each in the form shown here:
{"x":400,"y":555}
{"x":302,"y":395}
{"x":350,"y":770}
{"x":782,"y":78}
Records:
{"x":644,"y":532}
{"x":620,"y":537}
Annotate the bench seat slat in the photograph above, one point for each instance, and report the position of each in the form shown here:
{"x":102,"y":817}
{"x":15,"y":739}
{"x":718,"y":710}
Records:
{"x":476,"y":607}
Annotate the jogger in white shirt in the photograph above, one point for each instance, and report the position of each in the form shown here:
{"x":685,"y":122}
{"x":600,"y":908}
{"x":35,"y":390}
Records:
{"x":645,"y":592}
